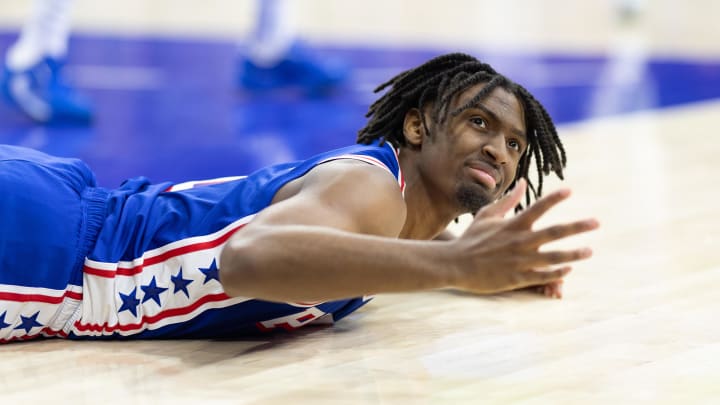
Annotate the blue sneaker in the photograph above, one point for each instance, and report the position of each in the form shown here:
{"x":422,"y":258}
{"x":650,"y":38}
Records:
{"x":298,"y":69}
{"x":40,"y":93}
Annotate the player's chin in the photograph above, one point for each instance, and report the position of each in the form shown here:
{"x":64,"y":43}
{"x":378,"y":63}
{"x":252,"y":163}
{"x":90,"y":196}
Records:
{"x":473,"y":196}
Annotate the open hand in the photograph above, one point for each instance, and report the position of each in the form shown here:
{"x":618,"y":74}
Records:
{"x":497,"y":254}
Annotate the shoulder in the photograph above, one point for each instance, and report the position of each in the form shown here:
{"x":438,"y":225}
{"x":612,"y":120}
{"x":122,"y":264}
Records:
{"x":353,"y":174}
{"x":348,"y":194}
{"x":366,"y":189}
{"x":384,"y":155}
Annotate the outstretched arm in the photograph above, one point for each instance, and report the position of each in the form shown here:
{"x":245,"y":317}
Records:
{"x":337,"y":238}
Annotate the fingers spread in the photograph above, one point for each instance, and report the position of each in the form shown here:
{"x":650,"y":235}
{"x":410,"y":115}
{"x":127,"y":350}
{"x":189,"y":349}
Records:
{"x":541,"y":206}
{"x":556,"y":232}
{"x":546,"y":276}
{"x":562,"y":256}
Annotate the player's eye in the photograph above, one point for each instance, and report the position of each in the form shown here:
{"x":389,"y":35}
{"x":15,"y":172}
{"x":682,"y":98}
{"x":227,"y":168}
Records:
{"x":479,"y":122}
{"x":513,"y":144}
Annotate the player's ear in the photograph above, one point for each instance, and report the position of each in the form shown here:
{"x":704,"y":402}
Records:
{"x":413,"y":128}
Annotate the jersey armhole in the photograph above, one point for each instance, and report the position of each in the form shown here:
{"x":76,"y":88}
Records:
{"x":375,"y":162}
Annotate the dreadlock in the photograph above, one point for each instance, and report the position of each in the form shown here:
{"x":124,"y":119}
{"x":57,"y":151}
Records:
{"x":438,"y":81}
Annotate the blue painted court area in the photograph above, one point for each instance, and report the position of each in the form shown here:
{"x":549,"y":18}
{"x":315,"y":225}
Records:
{"x":169,"y":109}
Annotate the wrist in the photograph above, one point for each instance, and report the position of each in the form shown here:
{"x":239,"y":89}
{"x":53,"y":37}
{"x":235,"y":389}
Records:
{"x":444,"y":264}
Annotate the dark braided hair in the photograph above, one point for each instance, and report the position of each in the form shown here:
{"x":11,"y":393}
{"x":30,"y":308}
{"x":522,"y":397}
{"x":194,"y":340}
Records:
{"x":438,"y":81}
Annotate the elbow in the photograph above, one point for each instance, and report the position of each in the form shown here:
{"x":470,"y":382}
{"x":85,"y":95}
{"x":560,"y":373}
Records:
{"x":238,"y":270}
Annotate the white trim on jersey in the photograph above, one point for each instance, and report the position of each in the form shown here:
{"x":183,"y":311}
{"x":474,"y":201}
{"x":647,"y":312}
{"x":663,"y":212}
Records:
{"x":195,"y":183}
{"x":47,"y":293}
{"x":29,"y":312}
{"x":165,"y":252}
{"x":375,"y":162}
{"x":105,"y":312}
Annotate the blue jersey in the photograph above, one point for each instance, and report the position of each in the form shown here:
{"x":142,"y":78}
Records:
{"x":141,"y":261}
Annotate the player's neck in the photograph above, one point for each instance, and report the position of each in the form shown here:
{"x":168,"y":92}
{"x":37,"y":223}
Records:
{"x":428,"y":213}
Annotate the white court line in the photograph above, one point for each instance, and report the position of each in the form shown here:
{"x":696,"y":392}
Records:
{"x":364,"y":80}
{"x":101,"y":77}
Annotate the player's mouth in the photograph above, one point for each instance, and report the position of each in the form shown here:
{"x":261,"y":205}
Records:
{"x":485,"y":174}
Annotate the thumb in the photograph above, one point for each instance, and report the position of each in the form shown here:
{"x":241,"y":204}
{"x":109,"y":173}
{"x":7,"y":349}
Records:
{"x":505,"y":203}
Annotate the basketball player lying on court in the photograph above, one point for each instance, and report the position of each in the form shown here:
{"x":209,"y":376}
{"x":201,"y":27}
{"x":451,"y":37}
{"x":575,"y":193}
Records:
{"x":294,"y":243}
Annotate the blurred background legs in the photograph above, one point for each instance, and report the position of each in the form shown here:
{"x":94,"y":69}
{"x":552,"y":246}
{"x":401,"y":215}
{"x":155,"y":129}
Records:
{"x":33,"y":79}
{"x":278,"y":59}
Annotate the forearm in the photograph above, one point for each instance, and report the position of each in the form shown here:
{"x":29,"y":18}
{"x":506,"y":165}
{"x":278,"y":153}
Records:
{"x":301,"y":263}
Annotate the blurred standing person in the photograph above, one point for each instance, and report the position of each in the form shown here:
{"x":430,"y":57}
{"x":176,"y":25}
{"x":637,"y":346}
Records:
{"x":277,"y":59}
{"x":33,"y":70}
{"x":32,"y":79}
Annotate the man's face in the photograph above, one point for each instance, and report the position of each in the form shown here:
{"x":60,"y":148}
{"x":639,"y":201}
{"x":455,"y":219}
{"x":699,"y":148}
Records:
{"x":473,"y":157}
